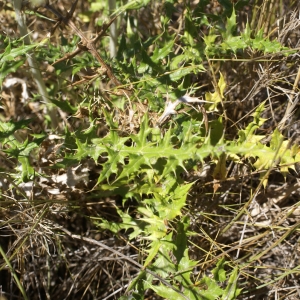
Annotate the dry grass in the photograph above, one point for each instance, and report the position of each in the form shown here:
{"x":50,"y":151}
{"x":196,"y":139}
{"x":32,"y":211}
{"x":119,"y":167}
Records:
{"x":41,"y":220}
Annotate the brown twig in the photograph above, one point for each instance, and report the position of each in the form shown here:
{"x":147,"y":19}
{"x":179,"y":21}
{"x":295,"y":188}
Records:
{"x":87,"y":44}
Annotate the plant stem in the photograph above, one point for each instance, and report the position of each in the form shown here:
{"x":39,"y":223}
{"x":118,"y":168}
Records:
{"x":113,"y":30}
{"x":34,"y":67}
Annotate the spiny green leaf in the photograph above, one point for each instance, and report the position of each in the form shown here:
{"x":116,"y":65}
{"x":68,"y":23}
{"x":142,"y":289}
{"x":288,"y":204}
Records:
{"x":138,"y":284}
{"x":181,"y":72}
{"x":246,"y":35}
{"x":219,"y":272}
{"x":135,"y":162}
{"x":64,"y":106}
{"x":110,"y":167}
{"x":154,"y":247}
{"x":27,"y":171}
{"x":231,"y":23}
{"x":216,"y":97}
{"x":141,"y":139}
{"x":165,"y":292}
{"x":264,"y":44}
{"x":163,"y":265}
{"x":11,"y":53}
{"x":163,"y":52}
{"x":156,"y":228}
{"x":189,"y":30}
{"x":277,"y":140}
{"x":209,"y":41}
{"x":128,"y":223}
{"x":233,"y":43}
{"x":247,"y":134}
{"x":231,"y":291}
{"x":181,"y":238}
{"x":9,"y":67}
{"x":177,"y":61}
{"x":185,"y":266}
{"x":8,"y":128}
{"x":212,"y":290}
